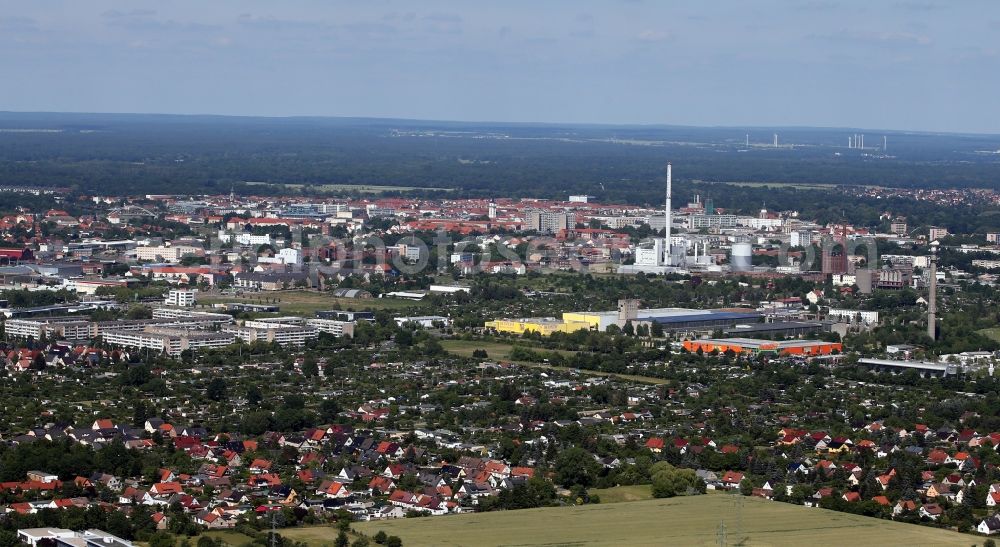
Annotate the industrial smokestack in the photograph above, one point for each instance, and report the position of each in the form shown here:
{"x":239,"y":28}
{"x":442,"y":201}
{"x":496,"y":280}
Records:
{"x":741,"y":259}
{"x":932,"y":294}
{"x":666,"y":218}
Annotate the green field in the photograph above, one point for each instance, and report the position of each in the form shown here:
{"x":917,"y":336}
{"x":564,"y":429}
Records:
{"x":494,"y":348}
{"x":618,"y":494}
{"x":307,"y":303}
{"x":501,"y":350}
{"x":992,"y":333}
{"x":229,"y":537}
{"x":677,"y":521}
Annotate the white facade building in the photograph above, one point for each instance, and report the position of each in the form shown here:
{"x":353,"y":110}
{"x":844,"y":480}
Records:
{"x":179,"y":298}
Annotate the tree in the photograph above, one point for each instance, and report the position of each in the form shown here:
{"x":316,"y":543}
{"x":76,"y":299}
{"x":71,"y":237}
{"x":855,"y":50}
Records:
{"x":38,"y":363}
{"x":669,"y":481}
{"x":310,"y":368}
{"x":254,"y":396}
{"x":380,"y":537}
{"x":216,"y":389}
{"x":576,"y":466}
{"x":341,"y":540}
{"x":139,"y":312}
{"x":393,"y":541}
{"x":329,"y":409}
{"x":161,"y":539}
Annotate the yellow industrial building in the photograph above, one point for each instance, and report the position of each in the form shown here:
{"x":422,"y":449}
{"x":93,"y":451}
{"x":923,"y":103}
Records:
{"x":542,"y":325}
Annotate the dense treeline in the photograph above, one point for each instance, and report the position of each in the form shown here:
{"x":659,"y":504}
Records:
{"x":145,"y":154}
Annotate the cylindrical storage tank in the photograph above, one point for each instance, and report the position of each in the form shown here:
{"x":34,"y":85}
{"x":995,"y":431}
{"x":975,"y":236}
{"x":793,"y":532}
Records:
{"x":742,"y":259}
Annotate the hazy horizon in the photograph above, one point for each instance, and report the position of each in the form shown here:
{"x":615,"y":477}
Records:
{"x":909,"y":65}
{"x":876,"y":131}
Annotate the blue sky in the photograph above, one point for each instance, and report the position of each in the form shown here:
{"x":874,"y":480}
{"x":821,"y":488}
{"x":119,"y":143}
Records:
{"x":892,"y":64}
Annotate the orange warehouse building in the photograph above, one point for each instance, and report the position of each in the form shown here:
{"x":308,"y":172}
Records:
{"x":752,"y":346}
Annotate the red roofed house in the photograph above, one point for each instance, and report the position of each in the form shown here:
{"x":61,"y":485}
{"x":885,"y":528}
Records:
{"x":655,"y":444}
{"x":732,"y":479}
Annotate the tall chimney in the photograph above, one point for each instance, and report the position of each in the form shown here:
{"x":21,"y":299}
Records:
{"x":932,"y":295}
{"x":666,"y":219}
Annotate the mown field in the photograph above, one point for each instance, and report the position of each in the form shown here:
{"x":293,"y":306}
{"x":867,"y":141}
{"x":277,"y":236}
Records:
{"x":495,"y":349}
{"x":677,"y":521}
{"x":501,"y":350}
{"x":307,"y":303}
{"x":991,"y":333}
{"x":619,"y":494}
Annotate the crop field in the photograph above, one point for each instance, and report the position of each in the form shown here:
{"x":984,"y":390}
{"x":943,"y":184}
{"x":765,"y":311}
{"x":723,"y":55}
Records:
{"x":698,"y":520}
{"x":307,"y":303}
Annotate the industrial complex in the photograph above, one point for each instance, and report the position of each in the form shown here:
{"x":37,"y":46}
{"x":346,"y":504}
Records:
{"x":669,"y":319}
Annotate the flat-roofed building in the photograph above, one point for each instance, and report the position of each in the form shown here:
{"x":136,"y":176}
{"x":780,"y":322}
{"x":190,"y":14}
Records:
{"x":179,"y":297}
{"x":548,"y":222}
{"x":185,"y":313}
{"x":542,"y":325}
{"x":267,"y":331}
{"x":332,"y":326}
{"x":171,"y":341}
{"x":752,"y":346}
{"x":68,"y":328}
{"x":425,"y":321}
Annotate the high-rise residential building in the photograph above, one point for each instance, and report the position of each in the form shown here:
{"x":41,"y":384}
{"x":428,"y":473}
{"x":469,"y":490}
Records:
{"x":548,"y":222}
{"x":935,"y":232}
{"x":179,"y":297}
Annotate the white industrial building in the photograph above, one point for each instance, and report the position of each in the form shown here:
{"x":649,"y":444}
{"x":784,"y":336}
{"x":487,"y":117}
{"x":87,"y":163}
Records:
{"x":864,"y":316}
{"x":425,"y":321}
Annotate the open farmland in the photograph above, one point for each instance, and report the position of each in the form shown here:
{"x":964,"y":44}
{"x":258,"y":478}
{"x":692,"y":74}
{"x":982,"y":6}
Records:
{"x":676,"y":521}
